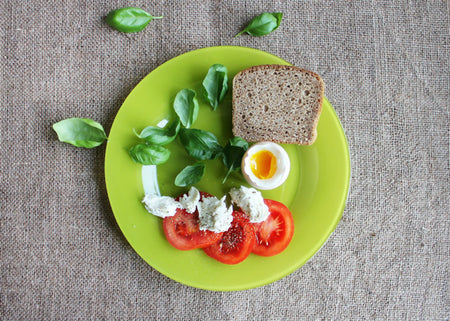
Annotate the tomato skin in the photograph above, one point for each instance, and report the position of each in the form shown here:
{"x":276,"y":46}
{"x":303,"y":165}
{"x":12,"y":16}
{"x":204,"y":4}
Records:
{"x":275,"y":233}
{"x":183,"y":232}
{"x":236,"y":244}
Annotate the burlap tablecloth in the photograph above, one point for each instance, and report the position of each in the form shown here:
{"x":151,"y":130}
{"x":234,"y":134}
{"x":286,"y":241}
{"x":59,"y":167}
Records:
{"x":386,"y":69}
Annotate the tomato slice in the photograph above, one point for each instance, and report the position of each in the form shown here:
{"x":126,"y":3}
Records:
{"x":275,"y":233}
{"x":183,"y":232}
{"x":236,"y":244}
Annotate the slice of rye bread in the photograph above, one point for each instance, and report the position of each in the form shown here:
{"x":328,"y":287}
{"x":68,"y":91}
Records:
{"x":277,"y":103}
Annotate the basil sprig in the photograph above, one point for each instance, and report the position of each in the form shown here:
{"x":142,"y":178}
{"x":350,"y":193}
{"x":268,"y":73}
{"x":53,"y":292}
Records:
{"x":80,"y":132}
{"x":149,"y":154}
{"x":186,"y":106}
{"x":263,"y":24}
{"x":215,"y":84}
{"x":160,"y":136}
{"x":190,"y":175}
{"x":200,"y":144}
{"x":129,"y":19}
{"x":232,"y":155}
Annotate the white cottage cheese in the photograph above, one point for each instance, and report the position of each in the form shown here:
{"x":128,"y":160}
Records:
{"x":251,"y":202}
{"x":214,"y":215}
{"x":162,"y":206}
{"x":189,"y":201}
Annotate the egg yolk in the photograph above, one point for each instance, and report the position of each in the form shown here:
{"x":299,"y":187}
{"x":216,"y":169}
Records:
{"x":263,"y":164}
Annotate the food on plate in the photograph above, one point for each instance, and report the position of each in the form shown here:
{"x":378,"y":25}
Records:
{"x":232,"y":155}
{"x":199,"y":220}
{"x":277,"y":103}
{"x":275,"y":233}
{"x":162,"y":206}
{"x":271,"y":104}
{"x":186,"y":106}
{"x":265,"y":165}
{"x":214,"y":215}
{"x":215,"y":85}
{"x":251,"y":202}
{"x":190,"y":175}
{"x":183,"y":231}
{"x":236,"y":244}
{"x":165,"y":206}
{"x":190,"y":200}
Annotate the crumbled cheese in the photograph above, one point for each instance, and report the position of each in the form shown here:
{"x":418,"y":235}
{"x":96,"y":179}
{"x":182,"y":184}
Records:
{"x":214,"y":215}
{"x":162,"y":206}
{"x":251,"y":202}
{"x":189,"y":201}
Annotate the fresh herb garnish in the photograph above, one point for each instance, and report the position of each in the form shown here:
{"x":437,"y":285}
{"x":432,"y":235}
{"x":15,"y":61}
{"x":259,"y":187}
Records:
{"x":80,"y":132}
{"x":263,"y":24}
{"x":186,"y":107}
{"x":200,"y":144}
{"x":160,"y":136}
{"x":149,"y":154}
{"x":215,"y":84}
{"x":129,"y":19}
{"x":232,"y":155}
{"x":190,"y":175}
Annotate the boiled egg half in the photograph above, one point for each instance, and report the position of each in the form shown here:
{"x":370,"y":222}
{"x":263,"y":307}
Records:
{"x":265,"y":165}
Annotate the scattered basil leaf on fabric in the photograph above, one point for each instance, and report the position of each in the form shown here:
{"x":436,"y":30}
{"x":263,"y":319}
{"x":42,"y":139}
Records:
{"x":80,"y":132}
{"x":186,"y":106}
{"x":232,"y":155}
{"x":215,"y":84}
{"x":160,"y":136}
{"x":200,"y":144}
{"x":263,"y":24}
{"x":190,"y":175}
{"x":129,"y":19}
{"x":149,"y":154}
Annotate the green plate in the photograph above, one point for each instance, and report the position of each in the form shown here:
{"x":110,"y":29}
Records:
{"x":316,"y":190}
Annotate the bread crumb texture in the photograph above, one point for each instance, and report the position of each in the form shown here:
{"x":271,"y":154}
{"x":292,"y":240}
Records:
{"x":277,"y":103}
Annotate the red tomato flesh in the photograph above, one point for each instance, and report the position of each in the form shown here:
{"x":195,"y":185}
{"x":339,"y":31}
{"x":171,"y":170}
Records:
{"x":183,"y":232}
{"x":275,"y":233}
{"x":236,"y":244}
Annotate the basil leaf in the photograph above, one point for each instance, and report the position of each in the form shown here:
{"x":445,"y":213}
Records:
{"x":232,"y":155}
{"x":80,"y":132}
{"x":200,"y":144}
{"x":129,"y":19}
{"x":238,"y":142}
{"x":263,"y":24}
{"x":215,"y":84}
{"x":190,"y":175}
{"x":186,"y":107}
{"x":160,"y":136}
{"x":149,"y":154}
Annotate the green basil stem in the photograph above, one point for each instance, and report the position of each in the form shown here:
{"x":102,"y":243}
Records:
{"x":232,"y":155}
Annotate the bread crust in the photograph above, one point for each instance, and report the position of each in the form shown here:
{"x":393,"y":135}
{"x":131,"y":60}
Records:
{"x":270,"y":85}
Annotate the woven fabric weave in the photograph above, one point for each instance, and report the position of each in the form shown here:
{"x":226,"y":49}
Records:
{"x":386,"y":69}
